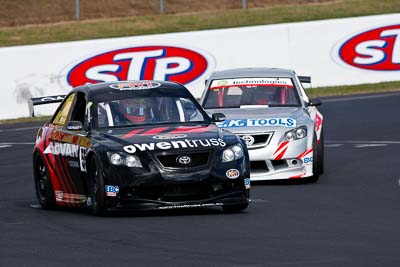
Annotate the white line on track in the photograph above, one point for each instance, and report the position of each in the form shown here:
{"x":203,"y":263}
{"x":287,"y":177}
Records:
{"x":333,"y":145}
{"x":4,"y":146}
{"x":35,"y":206}
{"x":20,"y":129}
{"x":341,"y":99}
{"x":19,"y":143}
{"x":363,"y":142}
{"x":259,"y":200}
{"x":369,"y":145}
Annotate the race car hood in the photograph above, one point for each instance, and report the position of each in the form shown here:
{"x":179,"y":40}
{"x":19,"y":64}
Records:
{"x":166,"y":138}
{"x":251,"y":120}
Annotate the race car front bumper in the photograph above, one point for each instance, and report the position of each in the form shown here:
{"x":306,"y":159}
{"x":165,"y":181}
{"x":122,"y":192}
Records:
{"x":156,"y":187}
{"x":233,"y":198}
{"x":276,"y":169}
{"x":284,"y":160}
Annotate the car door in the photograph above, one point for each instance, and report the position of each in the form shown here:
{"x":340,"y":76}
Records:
{"x":74,"y":144}
{"x":54,"y":152}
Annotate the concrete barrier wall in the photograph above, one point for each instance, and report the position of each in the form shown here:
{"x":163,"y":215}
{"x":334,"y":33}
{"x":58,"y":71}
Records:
{"x":334,"y":52}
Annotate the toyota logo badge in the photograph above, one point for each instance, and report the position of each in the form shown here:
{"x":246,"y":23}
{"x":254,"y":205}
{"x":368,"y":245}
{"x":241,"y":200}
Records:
{"x":248,"y":139}
{"x":184,"y":160}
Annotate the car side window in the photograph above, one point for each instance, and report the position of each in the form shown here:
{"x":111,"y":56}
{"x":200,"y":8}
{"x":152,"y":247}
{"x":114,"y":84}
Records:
{"x":190,"y":110}
{"x":79,"y":108}
{"x":62,"y":114}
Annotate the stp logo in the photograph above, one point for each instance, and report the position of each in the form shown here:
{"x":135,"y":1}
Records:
{"x":166,"y":63}
{"x":377,"y":49}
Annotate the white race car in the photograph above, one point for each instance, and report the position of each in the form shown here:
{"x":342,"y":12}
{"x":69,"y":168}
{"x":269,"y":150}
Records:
{"x":270,"y":110}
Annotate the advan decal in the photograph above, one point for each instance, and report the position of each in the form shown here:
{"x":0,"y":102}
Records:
{"x":165,"y":63}
{"x":377,"y":49}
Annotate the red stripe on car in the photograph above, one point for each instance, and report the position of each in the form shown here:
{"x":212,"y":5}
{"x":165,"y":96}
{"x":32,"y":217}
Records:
{"x":305,"y":153}
{"x":281,"y":146}
{"x":318,"y":122}
{"x":280,"y":156}
{"x":197,"y":129}
{"x":155,"y":131}
{"x":132,"y":133}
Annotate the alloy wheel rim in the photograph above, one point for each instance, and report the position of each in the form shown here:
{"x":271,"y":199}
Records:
{"x":42,"y":181}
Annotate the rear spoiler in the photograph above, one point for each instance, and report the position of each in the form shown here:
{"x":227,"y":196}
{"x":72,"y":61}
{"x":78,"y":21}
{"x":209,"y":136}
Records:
{"x":305,"y":79}
{"x":42,"y":101}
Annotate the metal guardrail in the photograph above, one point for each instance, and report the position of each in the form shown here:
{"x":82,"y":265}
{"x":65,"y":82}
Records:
{"x":77,"y":7}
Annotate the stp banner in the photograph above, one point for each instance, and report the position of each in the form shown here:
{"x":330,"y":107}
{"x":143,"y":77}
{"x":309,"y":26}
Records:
{"x":334,"y":52}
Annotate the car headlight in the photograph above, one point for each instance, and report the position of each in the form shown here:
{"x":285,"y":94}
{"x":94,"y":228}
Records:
{"x":295,"y":134}
{"x":232,"y":153}
{"x":123,"y":159}
{"x":116,"y":159}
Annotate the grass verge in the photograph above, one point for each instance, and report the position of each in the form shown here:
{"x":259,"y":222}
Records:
{"x":354,"y":89}
{"x":312,"y":92}
{"x":142,"y":25}
{"x":25,"y":119}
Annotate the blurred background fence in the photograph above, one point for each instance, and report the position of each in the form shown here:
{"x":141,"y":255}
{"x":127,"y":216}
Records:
{"x":22,"y":12}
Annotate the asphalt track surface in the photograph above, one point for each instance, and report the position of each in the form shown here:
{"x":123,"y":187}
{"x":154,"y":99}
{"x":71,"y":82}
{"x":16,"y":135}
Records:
{"x":351,"y":217}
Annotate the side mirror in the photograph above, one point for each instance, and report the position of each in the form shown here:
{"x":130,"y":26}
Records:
{"x":218,"y":117}
{"x":74,"y":126}
{"x":304,"y":79}
{"x":315,"y":102}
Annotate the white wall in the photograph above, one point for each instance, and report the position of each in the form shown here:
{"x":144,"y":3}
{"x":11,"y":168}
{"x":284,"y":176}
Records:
{"x":311,"y":48}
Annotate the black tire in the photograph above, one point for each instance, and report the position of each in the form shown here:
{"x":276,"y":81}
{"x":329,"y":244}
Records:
{"x":96,"y":189}
{"x":316,"y":161}
{"x":235,"y":208}
{"x":43,"y":185}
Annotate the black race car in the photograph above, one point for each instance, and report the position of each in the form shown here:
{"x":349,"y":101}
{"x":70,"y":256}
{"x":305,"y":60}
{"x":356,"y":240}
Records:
{"x":137,"y":145}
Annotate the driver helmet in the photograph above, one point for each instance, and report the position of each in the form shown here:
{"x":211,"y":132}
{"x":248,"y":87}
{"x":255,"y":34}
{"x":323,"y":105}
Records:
{"x":134,"y":110}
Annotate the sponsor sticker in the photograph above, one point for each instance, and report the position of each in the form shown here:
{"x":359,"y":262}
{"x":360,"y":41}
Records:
{"x":285,"y":122}
{"x":50,"y":98}
{"x":308,"y":160}
{"x":178,"y":144}
{"x":69,"y":198}
{"x":250,"y":82}
{"x":247,"y":183}
{"x":376,"y":49}
{"x":111,"y":190}
{"x":62,"y":149}
{"x":74,"y":164}
{"x":135,"y":85}
{"x":136,"y":63}
{"x":169,"y":136}
{"x":82,"y":158}
{"x":59,"y":195}
{"x":232,"y":173}
{"x":185,"y":206}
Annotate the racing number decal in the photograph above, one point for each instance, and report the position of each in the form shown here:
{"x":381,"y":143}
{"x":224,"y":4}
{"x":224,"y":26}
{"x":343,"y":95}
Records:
{"x":82,"y":158}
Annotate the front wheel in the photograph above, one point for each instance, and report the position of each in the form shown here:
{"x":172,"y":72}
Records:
{"x":235,"y":208}
{"x":321,"y":153}
{"x":315,"y":162}
{"x":43,"y":186}
{"x":96,"y":189}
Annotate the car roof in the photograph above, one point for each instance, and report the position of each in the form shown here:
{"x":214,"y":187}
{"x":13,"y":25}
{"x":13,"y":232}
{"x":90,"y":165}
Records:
{"x":252,"y":72}
{"x":99,"y":88}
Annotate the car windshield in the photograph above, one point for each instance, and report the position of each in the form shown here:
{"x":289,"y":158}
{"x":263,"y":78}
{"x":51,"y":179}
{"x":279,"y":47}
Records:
{"x":146,"y":110}
{"x":251,"y":92}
